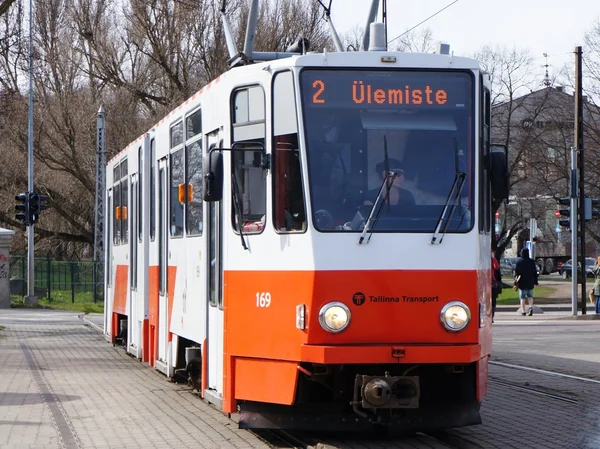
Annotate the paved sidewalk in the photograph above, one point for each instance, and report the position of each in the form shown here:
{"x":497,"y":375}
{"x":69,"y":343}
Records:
{"x":54,"y":373}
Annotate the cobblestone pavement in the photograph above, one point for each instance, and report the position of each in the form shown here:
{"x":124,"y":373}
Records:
{"x":63,"y":386}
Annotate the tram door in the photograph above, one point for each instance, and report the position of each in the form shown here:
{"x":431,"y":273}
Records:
{"x":108,"y":264}
{"x":163,"y":261}
{"x":215,"y":293}
{"x":135,"y":327}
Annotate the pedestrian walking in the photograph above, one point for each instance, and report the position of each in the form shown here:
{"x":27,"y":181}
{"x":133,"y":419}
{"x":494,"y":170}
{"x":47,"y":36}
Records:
{"x":596,"y":290}
{"x":496,"y":283}
{"x":526,"y":271}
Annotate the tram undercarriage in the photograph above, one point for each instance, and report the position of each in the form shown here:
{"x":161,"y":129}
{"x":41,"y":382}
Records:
{"x":343,"y":397}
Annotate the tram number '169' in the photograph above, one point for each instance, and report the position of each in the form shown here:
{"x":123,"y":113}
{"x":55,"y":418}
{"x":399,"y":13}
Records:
{"x":263,"y":299}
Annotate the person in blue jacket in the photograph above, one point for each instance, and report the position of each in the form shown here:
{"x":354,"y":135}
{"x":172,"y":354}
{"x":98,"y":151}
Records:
{"x":526,"y":278}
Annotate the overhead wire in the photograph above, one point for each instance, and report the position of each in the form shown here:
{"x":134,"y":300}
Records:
{"x":422,"y":22}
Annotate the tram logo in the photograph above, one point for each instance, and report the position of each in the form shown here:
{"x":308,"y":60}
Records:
{"x":359,"y":298}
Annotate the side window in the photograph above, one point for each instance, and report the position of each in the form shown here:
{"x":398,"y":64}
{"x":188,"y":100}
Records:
{"x":124,"y":202}
{"x":120,"y":190}
{"x":176,"y":198}
{"x":176,"y":134}
{"x":289,"y":213}
{"x":193,"y":125}
{"x":152,"y":189}
{"x":193,"y":173}
{"x":248,"y":176}
{"x":194,"y":203}
{"x":117,"y":205}
{"x":485,"y":217}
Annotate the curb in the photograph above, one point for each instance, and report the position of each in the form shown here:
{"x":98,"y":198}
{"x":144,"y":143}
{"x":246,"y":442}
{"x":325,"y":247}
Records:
{"x":94,"y":326}
{"x":547,"y":307}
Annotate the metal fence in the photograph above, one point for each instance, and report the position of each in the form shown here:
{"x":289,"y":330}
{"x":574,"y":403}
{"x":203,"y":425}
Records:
{"x":83,"y":279}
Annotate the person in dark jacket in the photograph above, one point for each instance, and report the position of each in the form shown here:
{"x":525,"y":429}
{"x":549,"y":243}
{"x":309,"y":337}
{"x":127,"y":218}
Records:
{"x":526,"y":272}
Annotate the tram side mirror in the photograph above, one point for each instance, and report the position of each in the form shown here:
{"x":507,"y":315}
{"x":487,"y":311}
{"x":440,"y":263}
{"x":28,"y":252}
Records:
{"x":499,"y":176}
{"x":213,"y":177}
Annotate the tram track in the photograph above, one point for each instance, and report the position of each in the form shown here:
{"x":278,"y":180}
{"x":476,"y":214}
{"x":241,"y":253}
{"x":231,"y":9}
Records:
{"x":544,"y":372}
{"x":544,"y":392}
{"x":534,"y":391}
{"x":281,"y":439}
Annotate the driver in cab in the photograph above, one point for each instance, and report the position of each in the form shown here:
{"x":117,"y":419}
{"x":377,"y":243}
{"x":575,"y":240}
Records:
{"x":397,"y":196}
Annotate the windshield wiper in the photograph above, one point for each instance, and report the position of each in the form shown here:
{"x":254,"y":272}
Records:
{"x":386,"y":185}
{"x":452,"y":200}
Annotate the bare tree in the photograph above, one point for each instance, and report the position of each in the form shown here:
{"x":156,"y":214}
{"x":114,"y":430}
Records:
{"x":417,"y":41}
{"x":5,"y":5}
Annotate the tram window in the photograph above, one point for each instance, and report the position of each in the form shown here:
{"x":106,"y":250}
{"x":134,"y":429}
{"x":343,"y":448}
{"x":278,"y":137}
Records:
{"x":289,"y":212}
{"x":124,"y":171}
{"x":176,"y":134}
{"x":194,"y":181}
{"x":249,"y":105}
{"x":240,"y":107}
{"x":256,"y":104}
{"x":485,"y":218}
{"x":193,"y":125}
{"x":152,"y":189}
{"x":117,"y":173}
{"x":251,"y":190}
{"x":117,"y":214}
{"x":176,"y":207}
{"x":289,"y":208}
{"x":248,"y":132}
{"x":124,"y":210}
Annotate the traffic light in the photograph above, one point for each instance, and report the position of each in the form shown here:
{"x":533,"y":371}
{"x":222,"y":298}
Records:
{"x":34,"y":207}
{"x":22,"y":208}
{"x":589,"y":211}
{"x":37,"y":203}
{"x":564,"y":212}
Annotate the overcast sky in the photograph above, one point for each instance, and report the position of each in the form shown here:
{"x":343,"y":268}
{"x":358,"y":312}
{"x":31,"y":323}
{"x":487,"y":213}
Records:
{"x":542,"y":26}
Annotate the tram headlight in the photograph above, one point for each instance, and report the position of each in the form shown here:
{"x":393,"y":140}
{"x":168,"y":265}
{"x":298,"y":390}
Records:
{"x":334,"y":317}
{"x":455,"y":316}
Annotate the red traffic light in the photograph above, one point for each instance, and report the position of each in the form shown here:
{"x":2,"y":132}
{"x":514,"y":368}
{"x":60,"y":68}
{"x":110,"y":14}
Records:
{"x":497,"y":214}
{"x":557,"y":213}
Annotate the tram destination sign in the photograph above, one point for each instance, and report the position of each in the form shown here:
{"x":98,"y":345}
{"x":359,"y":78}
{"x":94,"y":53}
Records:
{"x":373,"y":89}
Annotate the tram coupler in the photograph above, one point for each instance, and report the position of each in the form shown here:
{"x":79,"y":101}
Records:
{"x":386,"y":392}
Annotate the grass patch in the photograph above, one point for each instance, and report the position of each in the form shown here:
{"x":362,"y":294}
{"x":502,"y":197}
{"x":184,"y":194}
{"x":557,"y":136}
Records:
{"x":60,"y":300}
{"x":510,"y":297}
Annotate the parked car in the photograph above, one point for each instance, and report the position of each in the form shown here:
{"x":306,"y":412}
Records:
{"x":507,"y":266}
{"x":567,"y":268}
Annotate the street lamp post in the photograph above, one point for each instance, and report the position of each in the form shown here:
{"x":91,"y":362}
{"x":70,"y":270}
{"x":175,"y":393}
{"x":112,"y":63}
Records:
{"x":31,"y":299}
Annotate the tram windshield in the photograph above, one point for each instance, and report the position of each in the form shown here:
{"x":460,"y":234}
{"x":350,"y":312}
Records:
{"x":416,"y":125}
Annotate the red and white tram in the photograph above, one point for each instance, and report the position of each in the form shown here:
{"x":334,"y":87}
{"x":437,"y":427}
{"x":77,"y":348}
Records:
{"x":307,"y":240}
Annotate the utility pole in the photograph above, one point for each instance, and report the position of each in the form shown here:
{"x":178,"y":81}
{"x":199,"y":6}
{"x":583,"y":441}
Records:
{"x":579,"y":146}
{"x":100,"y":188}
{"x":573,"y":226}
{"x":31,"y":298}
